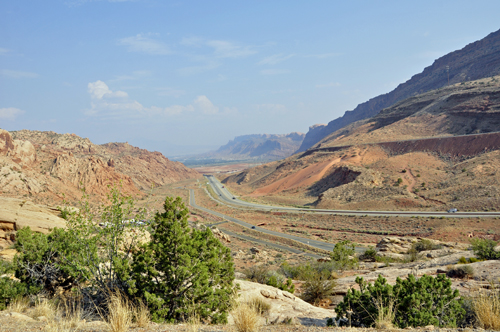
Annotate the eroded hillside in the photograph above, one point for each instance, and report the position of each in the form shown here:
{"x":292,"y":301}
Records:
{"x":46,"y":165}
{"x":410,"y":156}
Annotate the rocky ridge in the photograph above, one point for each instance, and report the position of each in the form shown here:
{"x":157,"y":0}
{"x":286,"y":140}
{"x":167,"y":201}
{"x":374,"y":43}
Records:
{"x":44,"y":165}
{"x":475,"y":61}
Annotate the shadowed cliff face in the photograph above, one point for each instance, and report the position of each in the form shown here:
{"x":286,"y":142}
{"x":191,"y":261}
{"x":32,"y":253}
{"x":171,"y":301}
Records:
{"x":475,"y":61}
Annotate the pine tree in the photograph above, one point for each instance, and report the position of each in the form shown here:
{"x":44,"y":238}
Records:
{"x":182,"y":271}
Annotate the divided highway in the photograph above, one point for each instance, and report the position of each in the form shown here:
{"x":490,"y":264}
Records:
{"x":310,"y":242}
{"x":224,"y":195}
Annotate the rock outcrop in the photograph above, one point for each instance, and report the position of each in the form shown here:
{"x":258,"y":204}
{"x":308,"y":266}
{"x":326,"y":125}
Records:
{"x":45,"y":165}
{"x":285,"y":307}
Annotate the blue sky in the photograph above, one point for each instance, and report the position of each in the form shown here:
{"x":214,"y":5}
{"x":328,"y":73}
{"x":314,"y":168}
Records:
{"x":184,"y":77}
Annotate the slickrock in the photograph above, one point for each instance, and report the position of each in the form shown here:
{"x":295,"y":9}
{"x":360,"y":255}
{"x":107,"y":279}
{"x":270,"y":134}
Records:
{"x":285,"y":307}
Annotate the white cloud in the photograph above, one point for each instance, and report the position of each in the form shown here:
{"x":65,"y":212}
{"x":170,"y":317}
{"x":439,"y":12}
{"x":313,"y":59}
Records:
{"x":10,"y":113}
{"x":144,"y":44}
{"x":275,"y":59}
{"x":17,"y":74}
{"x":205,"y":106}
{"x":100,"y":90}
{"x":4,"y":51}
{"x":110,"y":104}
{"x":274,"y":71}
{"x":328,"y":85}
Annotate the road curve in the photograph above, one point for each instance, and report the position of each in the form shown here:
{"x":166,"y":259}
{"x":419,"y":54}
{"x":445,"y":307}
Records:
{"x":312,"y":243}
{"x":227,"y":197}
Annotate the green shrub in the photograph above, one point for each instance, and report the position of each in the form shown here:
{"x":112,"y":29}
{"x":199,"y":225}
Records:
{"x":343,"y":255}
{"x":484,"y":249}
{"x":417,"y":302}
{"x":462,"y":260}
{"x":285,"y":286}
{"x":11,"y":290}
{"x":424,"y":245}
{"x":182,"y":271}
{"x":369,"y":255}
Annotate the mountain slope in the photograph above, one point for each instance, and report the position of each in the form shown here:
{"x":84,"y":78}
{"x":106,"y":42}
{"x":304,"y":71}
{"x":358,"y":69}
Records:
{"x":475,"y":61}
{"x":417,"y":154}
{"x":46,"y":165}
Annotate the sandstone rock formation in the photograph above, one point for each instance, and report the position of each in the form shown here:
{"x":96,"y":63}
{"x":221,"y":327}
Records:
{"x":45,"y":165}
{"x":285,"y":307}
{"x":17,"y":213}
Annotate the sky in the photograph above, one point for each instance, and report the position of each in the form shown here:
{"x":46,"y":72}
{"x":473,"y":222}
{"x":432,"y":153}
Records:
{"x":185,"y":77}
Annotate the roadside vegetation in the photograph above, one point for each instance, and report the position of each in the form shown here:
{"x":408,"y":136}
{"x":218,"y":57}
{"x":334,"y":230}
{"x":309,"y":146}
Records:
{"x":116,"y":263}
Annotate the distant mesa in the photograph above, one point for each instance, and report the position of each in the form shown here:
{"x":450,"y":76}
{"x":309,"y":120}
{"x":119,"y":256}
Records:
{"x":257,"y":147}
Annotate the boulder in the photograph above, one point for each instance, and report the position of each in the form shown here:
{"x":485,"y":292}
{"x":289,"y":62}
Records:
{"x":18,"y":213}
{"x":285,"y":307}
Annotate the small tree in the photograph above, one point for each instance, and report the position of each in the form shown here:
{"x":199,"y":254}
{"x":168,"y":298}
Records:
{"x":343,"y":255}
{"x":182,"y":271}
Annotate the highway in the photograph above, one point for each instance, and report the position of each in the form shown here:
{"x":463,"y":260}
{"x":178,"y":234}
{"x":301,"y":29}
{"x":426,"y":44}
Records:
{"x":310,"y":242}
{"x":225,"y":196}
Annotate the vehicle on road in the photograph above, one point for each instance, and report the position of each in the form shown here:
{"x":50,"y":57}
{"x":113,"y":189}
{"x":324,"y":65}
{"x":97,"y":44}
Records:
{"x":253,"y":227}
{"x":234,"y":197}
{"x":452,"y":210}
{"x":222,"y":186}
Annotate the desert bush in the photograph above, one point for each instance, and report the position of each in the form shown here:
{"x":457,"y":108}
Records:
{"x":462,"y":260}
{"x":182,"y":271}
{"x":343,"y":255}
{"x":461,"y":272}
{"x":485,"y":249}
{"x":416,"y":302}
{"x":287,"y":285}
{"x":317,"y":286}
{"x":424,"y":245}
{"x":258,"y":273}
{"x":369,"y":255}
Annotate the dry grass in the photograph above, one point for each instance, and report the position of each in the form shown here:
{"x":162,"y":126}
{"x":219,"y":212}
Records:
{"x":45,"y":308}
{"x":19,"y":305}
{"x":120,"y":314}
{"x":65,"y":318}
{"x":193,"y":323}
{"x":142,"y":316}
{"x":260,"y":305}
{"x":487,"y":310}
{"x":246,"y":318}
{"x":385,"y":315}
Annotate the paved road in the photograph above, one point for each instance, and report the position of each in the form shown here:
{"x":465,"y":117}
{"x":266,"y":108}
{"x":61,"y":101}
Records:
{"x":227,"y":197}
{"x":312,"y":243}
